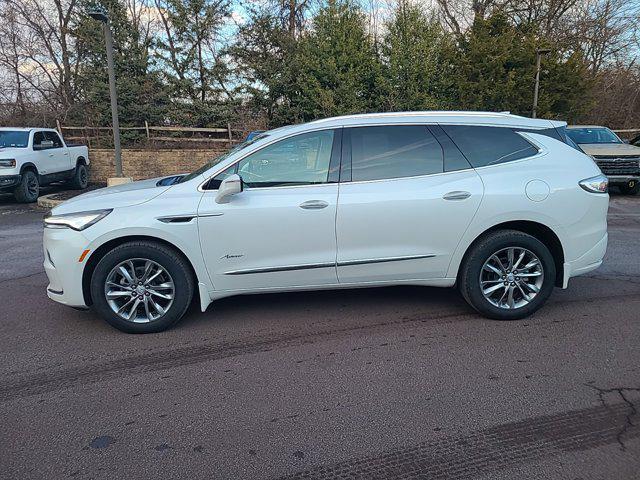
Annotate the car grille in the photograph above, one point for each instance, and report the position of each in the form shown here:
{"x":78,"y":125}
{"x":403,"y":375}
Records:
{"x":614,"y":165}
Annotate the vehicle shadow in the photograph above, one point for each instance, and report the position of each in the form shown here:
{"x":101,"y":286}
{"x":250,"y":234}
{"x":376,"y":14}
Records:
{"x":364,"y":305}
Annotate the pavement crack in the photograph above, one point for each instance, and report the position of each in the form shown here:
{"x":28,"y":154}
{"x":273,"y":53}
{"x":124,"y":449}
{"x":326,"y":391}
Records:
{"x":633,"y":411}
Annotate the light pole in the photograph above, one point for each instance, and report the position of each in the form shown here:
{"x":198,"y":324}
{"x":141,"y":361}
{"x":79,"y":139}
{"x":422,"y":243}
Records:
{"x":101,"y":16}
{"x":539,"y":53}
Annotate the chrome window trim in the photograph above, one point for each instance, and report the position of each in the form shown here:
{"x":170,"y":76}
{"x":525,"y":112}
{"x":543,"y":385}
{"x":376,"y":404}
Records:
{"x":541,"y":151}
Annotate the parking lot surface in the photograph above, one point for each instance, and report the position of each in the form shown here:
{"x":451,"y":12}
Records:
{"x":373,"y":383}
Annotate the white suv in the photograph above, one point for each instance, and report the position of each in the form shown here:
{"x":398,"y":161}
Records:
{"x":497,"y":204}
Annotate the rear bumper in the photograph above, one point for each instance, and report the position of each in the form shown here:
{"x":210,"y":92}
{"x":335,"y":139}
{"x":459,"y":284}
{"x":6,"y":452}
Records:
{"x":9,"y":181}
{"x":588,"y":262}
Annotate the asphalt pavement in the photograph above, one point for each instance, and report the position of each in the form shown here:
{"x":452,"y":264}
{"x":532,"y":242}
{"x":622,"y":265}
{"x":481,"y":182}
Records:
{"x":374,"y":383}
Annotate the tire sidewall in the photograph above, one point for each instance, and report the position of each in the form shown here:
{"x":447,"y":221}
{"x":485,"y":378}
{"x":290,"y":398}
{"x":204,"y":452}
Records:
{"x":77,"y":180}
{"x":180,"y":274}
{"x":82,"y":167}
{"x":22,"y":190}
{"x":492,"y":245}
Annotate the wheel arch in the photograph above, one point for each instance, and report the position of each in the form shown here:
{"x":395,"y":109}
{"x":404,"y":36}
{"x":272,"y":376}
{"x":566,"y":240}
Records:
{"x":101,"y":251}
{"x":81,"y":161}
{"x":537,"y":230}
{"x":29,"y":166}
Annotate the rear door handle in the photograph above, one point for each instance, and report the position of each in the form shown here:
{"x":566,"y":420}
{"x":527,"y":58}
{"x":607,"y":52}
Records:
{"x":314,"y":204}
{"x":456,"y":195}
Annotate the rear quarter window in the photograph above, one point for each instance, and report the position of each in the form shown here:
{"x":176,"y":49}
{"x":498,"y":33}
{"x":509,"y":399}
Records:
{"x":483,"y":146}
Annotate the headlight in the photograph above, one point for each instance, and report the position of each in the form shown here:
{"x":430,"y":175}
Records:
{"x":77,"y":221}
{"x":8,"y":163}
{"x":597,"y":184}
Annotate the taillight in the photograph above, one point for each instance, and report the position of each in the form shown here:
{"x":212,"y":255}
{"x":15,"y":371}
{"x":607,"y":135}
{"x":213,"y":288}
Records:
{"x":597,"y":184}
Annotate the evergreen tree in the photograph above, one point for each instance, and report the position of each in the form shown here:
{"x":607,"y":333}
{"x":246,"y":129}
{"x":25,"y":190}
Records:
{"x":337,"y":69}
{"x":415,"y":68}
{"x":494,"y":70}
{"x":141,"y":94}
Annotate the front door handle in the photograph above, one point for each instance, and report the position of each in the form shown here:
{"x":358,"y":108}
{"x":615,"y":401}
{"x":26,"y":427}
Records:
{"x":456,"y":195}
{"x":314,"y":204}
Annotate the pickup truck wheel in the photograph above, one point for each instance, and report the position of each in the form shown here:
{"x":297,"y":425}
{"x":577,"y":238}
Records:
{"x":632,"y":187}
{"x":28,"y":189}
{"x":80,"y":178}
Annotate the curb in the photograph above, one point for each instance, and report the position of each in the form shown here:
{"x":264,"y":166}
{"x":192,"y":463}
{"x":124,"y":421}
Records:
{"x":46,"y":201}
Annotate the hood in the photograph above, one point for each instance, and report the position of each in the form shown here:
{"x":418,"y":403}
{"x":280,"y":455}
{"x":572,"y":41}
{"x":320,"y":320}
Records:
{"x":9,"y":152}
{"x":124,"y":195}
{"x":611,"y":149}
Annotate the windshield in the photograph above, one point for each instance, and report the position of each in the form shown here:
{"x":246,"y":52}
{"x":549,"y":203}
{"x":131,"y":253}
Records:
{"x":592,"y":135}
{"x":14,"y":139}
{"x":224,"y":156}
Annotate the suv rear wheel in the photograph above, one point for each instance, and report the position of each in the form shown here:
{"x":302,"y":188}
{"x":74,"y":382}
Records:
{"x":28,"y":189}
{"x":508,"y":275}
{"x":142,"y":287}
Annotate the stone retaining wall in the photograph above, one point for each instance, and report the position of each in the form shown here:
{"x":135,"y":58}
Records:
{"x":140,"y":164}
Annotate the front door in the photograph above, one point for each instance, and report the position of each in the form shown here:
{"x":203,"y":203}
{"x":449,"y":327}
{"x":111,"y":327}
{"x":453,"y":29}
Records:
{"x":402,"y":215}
{"x":279,"y":232}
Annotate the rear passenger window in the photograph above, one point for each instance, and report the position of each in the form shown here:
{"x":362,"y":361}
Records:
{"x":55,"y":138}
{"x":489,"y":145}
{"x":393,"y":152}
{"x":453,"y":158}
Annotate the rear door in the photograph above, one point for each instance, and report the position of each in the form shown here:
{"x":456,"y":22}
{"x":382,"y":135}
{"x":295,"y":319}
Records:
{"x":406,"y":197}
{"x":59,"y":153}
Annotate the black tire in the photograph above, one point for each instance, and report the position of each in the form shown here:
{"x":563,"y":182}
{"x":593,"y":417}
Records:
{"x":29,"y":188}
{"x":171,"y":261}
{"x":481,"y":251}
{"x":80,"y":178}
{"x":632,"y":187}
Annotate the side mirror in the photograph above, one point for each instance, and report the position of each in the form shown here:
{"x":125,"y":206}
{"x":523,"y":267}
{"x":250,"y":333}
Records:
{"x":229,"y":187}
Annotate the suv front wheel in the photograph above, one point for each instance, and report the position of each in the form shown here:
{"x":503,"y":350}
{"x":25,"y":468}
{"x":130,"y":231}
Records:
{"x":507,"y":275}
{"x":142,"y":287}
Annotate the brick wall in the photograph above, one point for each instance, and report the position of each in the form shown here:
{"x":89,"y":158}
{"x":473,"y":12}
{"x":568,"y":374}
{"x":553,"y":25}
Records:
{"x":141,"y":164}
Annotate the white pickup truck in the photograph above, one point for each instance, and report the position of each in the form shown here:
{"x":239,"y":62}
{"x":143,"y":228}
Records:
{"x":31,"y":157}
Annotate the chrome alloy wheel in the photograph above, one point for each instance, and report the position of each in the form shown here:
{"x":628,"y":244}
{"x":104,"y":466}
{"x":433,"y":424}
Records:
{"x":139,"y":290}
{"x":511,"y":277}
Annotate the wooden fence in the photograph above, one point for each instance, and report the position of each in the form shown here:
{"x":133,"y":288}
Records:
{"x":156,"y":134}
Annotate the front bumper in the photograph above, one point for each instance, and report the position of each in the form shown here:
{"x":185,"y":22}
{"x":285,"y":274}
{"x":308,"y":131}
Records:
{"x":623,"y":179}
{"x":9,"y":181}
{"x":62,"y":251}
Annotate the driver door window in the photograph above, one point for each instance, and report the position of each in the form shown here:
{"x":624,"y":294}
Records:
{"x":300,"y":160}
